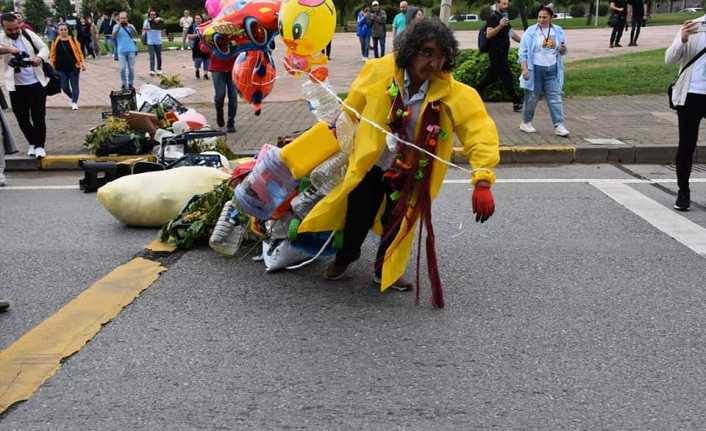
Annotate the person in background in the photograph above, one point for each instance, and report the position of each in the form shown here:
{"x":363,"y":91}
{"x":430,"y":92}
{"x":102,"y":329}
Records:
{"x":50,"y":30}
{"x":499,"y":33}
{"x":152,"y":31}
{"x":83,"y":34}
{"x":26,"y":87}
{"x":66,"y":56}
{"x":199,"y":55}
{"x":363,"y":32}
{"x":377,"y":19}
{"x":106,"y":30}
{"x":185,"y":22}
{"x":95,"y":46}
{"x":618,"y":14}
{"x":541,"y":49}
{"x":400,"y":21}
{"x":637,"y":20}
{"x":22,"y":22}
{"x":124,"y":35}
{"x":222,"y":74}
{"x":689,"y":96}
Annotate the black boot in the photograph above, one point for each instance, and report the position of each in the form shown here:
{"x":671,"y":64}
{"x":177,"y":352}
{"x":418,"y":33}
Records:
{"x":220,"y":120}
{"x":231,"y":125}
{"x":198,"y":74}
{"x":683,"y":201}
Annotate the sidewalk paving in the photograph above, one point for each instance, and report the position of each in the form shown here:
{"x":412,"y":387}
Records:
{"x":644,"y":128}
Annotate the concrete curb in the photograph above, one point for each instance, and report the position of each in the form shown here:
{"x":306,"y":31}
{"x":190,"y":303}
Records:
{"x":554,"y":154}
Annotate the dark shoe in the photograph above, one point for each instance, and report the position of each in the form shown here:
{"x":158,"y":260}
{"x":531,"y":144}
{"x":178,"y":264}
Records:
{"x":517,"y":107}
{"x":617,"y":45}
{"x":231,"y":126}
{"x":683,"y":201}
{"x":220,"y":120}
{"x":611,"y":46}
{"x":205,"y":76}
{"x":634,"y":44}
{"x":198,"y":74}
{"x":335,"y":270}
{"x":4,"y":305}
{"x":401,"y":285}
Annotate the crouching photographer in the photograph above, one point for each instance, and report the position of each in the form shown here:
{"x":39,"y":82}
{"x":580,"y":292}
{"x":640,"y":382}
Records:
{"x":24,"y":54}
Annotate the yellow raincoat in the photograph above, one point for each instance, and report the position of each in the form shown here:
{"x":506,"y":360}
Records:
{"x":462,"y":112}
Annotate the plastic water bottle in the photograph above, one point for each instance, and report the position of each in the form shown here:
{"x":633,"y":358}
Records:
{"x":228,"y":233}
{"x":330,"y":173}
{"x":322,"y":103}
{"x":345,"y":132}
{"x":305,"y":201}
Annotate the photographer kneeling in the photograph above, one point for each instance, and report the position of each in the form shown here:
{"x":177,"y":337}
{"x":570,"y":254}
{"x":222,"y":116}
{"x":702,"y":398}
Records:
{"x":25,"y":80}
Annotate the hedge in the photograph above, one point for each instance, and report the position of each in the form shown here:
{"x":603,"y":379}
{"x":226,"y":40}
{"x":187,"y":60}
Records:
{"x":472,"y":67}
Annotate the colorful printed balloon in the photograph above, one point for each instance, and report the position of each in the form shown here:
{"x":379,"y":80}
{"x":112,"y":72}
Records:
{"x":306,"y":26}
{"x":254,"y":76}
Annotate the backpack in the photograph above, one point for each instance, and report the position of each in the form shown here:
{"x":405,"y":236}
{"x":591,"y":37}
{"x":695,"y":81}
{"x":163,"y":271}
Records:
{"x":483,"y":39}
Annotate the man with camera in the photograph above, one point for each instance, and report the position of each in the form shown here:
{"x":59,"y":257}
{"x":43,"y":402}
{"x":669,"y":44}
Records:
{"x":24,"y":53}
{"x":125,"y":49}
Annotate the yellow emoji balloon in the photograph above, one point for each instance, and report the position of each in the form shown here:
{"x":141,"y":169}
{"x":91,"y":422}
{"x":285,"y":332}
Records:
{"x":307,"y":26}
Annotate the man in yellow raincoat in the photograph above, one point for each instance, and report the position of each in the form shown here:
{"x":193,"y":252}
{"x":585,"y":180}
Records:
{"x":412,"y":94}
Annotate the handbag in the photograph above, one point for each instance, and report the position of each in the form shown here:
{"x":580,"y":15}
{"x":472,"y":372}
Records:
{"x":54,"y":85}
{"x":671,"y":86}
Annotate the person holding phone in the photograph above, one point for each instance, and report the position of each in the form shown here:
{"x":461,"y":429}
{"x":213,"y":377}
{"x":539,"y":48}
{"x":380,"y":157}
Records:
{"x":124,"y":35}
{"x":541,"y":49}
{"x":617,"y":20}
{"x":152,"y":35}
{"x":689,"y":97}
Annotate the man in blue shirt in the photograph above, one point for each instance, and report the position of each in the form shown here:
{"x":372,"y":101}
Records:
{"x":152,"y":33}
{"x":124,"y":34}
{"x":400,"y":21}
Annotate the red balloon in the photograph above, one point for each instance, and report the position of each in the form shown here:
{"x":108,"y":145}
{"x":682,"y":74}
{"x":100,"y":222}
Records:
{"x":254,"y":77}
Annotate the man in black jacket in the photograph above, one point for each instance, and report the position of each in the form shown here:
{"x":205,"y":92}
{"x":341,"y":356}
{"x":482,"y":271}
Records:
{"x":638,"y":20}
{"x":498,"y":33}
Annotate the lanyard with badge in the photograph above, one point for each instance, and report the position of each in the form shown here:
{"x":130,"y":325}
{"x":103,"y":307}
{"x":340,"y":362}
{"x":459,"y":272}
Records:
{"x":548,"y":42}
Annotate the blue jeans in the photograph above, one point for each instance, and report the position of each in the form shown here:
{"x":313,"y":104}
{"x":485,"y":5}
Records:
{"x":155,"y":54}
{"x":201,"y":62}
{"x":69,"y":84}
{"x":364,"y":46}
{"x":222,"y":83}
{"x":108,"y":40}
{"x":127,"y":68}
{"x":379,"y":41}
{"x":546,"y":82}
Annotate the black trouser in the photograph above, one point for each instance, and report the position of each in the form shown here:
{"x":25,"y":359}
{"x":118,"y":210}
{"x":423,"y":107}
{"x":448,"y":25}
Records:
{"x":363,"y":204}
{"x":29,"y":105}
{"x":690,"y":116}
{"x":617,"y":32}
{"x":499,"y":69}
{"x":637,"y":23}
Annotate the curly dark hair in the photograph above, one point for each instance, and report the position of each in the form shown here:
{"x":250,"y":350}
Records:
{"x":421,"y":31}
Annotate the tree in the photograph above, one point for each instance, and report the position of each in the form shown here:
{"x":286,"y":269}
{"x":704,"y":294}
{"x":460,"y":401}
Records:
{"x":35,"y":11}
{"x":110,"y":6}
{"x":64,"y":8}
{"x":7,"y":6}
{"x":344,"y":8}
{"x":89,"y":8}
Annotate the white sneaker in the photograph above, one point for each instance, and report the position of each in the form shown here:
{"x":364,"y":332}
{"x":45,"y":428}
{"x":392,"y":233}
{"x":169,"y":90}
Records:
{"x":527,"y":128}
{"x":3,"y":180}
{"x":39,"y":152}
{"x":32,"y":152}
{"x":560,"y":130}
{"x":152,"y":73}
{"x":159,"y":71}
{"x":74,"y":106}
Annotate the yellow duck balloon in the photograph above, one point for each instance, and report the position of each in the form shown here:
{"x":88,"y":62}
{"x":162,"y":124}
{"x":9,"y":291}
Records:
{"x":306,"y":27}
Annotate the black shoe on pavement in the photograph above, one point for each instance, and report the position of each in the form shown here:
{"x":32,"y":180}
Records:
{"x":335,"y":270}
{"x":231,"y":126}
{"x":198,"y":74}
{"x":683,"y":201}
{"x":4,"y":305}
{"x":611,"y":46}
{"x":220,"y":120}
{"x":517,"y":107}
{"x":205,"y":76}
{"x":617,"y":45}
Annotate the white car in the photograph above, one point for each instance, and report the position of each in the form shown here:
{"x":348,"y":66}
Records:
{"x":692,"y":10}
{"x":464,"y":18}
{"x":562,"y":15}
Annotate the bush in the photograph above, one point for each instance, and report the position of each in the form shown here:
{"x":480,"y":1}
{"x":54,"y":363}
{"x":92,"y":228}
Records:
{"x":513,"y":11}
{"x":474,"y":68}
{"x":602,"y":9}
{"x":577,"y":10}
{"x":485,"y":13}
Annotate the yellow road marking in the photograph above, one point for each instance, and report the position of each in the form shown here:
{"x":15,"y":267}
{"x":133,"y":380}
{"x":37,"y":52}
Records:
{"x":36,"y":356}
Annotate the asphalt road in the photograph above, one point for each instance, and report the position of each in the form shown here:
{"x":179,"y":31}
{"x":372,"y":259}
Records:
{"x":567,"y":310}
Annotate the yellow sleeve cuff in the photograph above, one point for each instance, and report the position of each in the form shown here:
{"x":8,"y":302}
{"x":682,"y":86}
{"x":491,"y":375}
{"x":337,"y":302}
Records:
{"x":483,"y":174}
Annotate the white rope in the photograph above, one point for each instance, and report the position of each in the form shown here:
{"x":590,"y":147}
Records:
{"x":381,"y":128}
{"x":303,"y":264}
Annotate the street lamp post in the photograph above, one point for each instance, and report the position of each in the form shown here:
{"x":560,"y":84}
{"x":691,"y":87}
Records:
{"x":445,"y":11}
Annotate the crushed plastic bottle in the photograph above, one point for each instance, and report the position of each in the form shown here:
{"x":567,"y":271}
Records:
{"x":322,"y":103}
{"x":228,"y":233}
{"x":305,"y":201}
{"x":268,"y":185}
{"x":330,"y":173}
{"x":345,"y":132}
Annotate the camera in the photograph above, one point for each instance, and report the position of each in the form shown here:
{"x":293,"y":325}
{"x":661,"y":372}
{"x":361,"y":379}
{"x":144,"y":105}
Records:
{"x":19,"y":60}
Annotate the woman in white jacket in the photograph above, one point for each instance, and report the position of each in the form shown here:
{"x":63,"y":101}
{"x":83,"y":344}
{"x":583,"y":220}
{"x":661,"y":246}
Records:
{"x":689,"y":96}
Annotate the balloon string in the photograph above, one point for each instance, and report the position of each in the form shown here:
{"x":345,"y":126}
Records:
{"x":381,"y":128}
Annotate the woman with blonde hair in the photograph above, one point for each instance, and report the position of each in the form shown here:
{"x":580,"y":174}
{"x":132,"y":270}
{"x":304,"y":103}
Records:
{"x":67,"y":57}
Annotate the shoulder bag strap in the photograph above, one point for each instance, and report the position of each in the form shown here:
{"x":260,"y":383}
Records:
{"x":29,"y":38}
{"x":692,"y":61}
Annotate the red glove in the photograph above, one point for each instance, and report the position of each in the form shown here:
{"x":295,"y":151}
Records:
{"x":483,"y":202}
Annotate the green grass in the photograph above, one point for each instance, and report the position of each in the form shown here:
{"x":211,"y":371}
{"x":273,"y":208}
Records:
{"x":628,"y":74}
{"x":658,"y":19}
